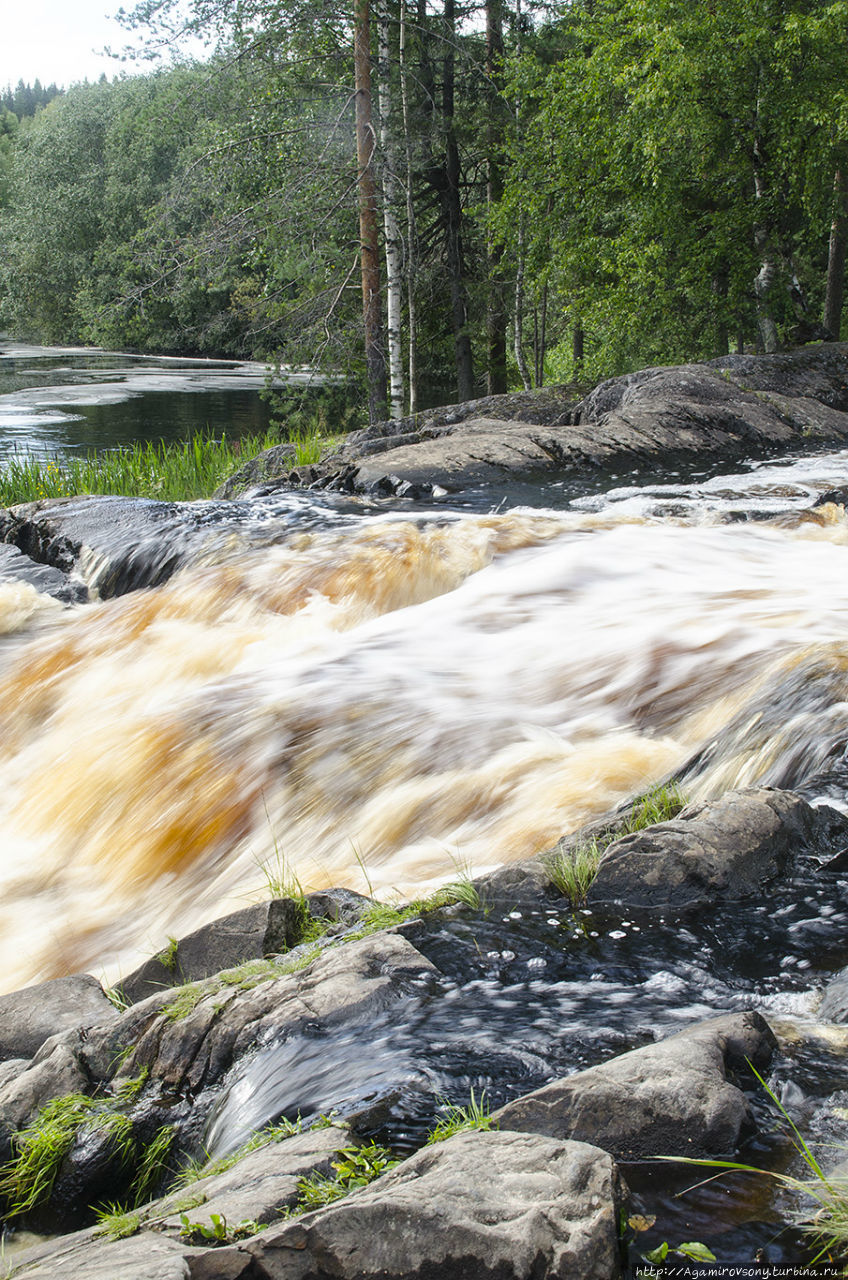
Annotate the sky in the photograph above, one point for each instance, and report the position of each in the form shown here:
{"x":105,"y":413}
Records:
{"x":61,"y":41}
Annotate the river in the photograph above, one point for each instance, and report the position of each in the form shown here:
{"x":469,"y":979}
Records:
{"x":374,"y":696}
{"x":61,"y":400}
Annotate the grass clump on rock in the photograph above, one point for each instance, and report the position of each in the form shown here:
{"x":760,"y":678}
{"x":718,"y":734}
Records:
{"x":355,"y":1167}
{"x":458,"y":1119}
{"x":572,"y":869}
{"x":27,"y":1180}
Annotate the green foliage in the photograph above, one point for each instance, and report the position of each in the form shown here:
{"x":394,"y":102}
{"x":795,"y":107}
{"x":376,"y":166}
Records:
{"x":168,"y":955}
{"x":572,"y":868}
{"x":694,"y":1251}
{"x":116,"y":1222}
{"x":355,"y":1167}
{"x":457,"y":1119}
{"x":217,"y":1231}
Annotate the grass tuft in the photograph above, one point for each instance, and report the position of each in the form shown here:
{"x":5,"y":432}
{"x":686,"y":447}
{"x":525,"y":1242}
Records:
{"x":573,"y":869}
{"x":457,"y":1119}
{"x":116,"y":1222}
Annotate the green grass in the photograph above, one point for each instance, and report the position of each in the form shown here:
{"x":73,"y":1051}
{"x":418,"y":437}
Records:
{"x":662,"y":803}
{"x":355,"y":1167}
{"x":27,"y":1180}
{"x":167,"y":957}
{"x":828,"y":1226}
{"x":207,"y":1168}
{"x":116,"y":1222}
{"x":152,"y":1165}
{"x":174,"y":472}
{"x":572,"y":869}
{"x":458,"y":1119}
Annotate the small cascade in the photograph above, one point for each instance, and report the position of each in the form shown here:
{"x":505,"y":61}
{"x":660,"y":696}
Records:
{"x":378,"y":698}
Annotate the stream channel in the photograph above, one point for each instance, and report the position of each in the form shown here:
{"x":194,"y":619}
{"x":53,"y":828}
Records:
{"x":375,"y":694}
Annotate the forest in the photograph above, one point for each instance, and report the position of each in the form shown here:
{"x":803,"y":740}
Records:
{"x":439,"y":201}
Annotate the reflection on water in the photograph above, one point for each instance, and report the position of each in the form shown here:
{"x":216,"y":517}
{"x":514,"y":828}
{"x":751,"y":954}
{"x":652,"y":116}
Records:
{"x":55,"y":400}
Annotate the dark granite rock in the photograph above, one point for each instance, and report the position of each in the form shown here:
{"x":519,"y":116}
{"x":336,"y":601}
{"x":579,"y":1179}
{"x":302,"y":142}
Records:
{"x":30,"y":1017}
{"x":722,"y":850}
{"x":669,"y":1098}
{"x":265,"y":929}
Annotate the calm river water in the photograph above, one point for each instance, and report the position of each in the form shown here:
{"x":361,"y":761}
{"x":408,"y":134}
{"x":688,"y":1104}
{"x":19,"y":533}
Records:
{"x":57,"y":400}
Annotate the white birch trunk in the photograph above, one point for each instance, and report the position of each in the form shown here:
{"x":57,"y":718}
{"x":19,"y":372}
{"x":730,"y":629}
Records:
{"x":391,"y":227}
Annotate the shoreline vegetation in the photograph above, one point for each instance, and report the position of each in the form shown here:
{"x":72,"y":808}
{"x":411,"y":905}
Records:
{"x":172,"y":472}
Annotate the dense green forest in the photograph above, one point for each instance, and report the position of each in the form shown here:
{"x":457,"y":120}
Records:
{"x":440,"y":200}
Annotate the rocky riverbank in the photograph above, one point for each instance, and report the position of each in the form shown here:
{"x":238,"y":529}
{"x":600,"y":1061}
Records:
{"x":735,"y":406}
{"x":146,"y":1105}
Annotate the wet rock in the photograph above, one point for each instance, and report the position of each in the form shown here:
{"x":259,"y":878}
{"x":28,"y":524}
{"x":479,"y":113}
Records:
{"x":670,"y":1098}
{"x":265,"y":929}
{"x":343,"y":906}
{"x":270,"y":465}
{"x":481,"y":1206}
{"x":724,"y":849}
{"x":516,"y":884}
{"x":30,"y":1017}
{"x":834,"y":1004}
{"x":122,"y":543}
{"x":732,"y":407}
{"x":16,"y":567}
{"x":189,"y":1039}
{"x":259,"y":1188}
{"x":52,"y":1076}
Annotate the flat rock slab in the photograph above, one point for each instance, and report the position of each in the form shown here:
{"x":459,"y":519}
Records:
{"x":30,"y":1017}
{"x":732,"y":407}
{"x":724,"y":850}
{"x":481,"y":1206}
{"x":259,"y":1188}
{"x":670,"y":1098}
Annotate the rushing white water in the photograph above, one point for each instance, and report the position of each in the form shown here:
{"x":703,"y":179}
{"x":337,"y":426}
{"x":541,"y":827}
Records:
{"x":385,"y":701}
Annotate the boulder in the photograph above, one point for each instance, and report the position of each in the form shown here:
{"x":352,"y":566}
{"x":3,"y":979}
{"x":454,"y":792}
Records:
{"x":268,"y":465}
{"x":268,"y":928}
{"x":190,"y":1037}
{"x":481,"y":1206}
{"x":737,"y":406}
{"x":670,"y":1098}
{"x":30,"y":1017}
{"x":16,"y":567}
{"x":722,"y":850}
{"x":259,"y":1188}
